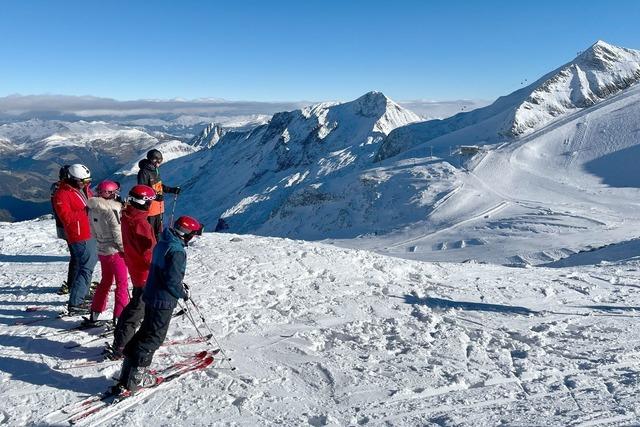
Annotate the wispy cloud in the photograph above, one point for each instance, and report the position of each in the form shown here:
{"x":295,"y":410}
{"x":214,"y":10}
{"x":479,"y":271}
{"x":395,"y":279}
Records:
{"x":89,"y":107}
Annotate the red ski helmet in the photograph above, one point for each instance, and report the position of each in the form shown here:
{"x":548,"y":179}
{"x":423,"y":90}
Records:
{"x":108,"y":189}
{"x":141,"y":196}
{"x":187,"y":227}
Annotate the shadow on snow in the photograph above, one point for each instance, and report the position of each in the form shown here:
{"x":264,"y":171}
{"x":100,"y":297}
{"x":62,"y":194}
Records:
{"x":40,"y":374}
{"x":44,"y":347}
{"x":33,"y":258}
{"x":444,"y":304}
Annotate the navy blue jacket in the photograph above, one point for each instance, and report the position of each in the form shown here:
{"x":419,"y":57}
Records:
{"x":168,"y":265}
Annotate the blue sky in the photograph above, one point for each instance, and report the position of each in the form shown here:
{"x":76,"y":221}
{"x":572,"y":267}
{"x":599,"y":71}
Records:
{"x":297,"y":50}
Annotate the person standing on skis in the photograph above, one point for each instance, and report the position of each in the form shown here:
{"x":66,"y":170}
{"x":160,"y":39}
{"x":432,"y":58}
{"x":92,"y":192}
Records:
{"x":139,"y":241}
{"x":149,"y":175}
{"x":163,"y":289}
{"x":104,"y":212}
{"x":62,"y":175}
{"x":70,"y":204}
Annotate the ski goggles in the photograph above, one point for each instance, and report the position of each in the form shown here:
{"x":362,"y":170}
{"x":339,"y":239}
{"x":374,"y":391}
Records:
{"x":109,"y":193}
{"x":189,"y":234}
{"x":142,"y":200}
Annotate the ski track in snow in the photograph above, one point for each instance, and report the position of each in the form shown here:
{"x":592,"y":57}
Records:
{"x":328,"y":336}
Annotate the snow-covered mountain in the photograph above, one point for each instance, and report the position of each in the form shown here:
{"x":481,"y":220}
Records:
{"x":193,"y":127}
{"x":209,"y":136}
{"x":596,"y":74}
{"x":564,"y":187}
{"x":278,"y":172}
{"x":563,"y":180}
{"x":31,"y":153}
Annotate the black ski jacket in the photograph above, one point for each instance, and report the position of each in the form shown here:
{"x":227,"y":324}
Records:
{"x":149,"y":175}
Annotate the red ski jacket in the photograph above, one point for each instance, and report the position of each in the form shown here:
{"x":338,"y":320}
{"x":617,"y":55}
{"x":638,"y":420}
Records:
{"x":138,"y":240}
{"x":70,"y":205}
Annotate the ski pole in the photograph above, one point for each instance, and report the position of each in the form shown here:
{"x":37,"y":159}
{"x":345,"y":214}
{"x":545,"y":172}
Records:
{"x":173,"y":209}
{"x":189,"y":315}
{"x":212,"y":334}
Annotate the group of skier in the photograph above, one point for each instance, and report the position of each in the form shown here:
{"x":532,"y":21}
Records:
{"x":128,"y":239}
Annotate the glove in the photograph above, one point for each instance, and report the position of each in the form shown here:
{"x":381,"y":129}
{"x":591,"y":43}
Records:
{"x":176,"y":190}
{"x":187,"y":292}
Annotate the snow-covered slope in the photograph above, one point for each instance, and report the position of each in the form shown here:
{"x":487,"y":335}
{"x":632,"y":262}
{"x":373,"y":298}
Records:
{"x":327,"y":336}
{"x":596,"y":74}
{"x":170,"y":150}
{"x":565,"y":188}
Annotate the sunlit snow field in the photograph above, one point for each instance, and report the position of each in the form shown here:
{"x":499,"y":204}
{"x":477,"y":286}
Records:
{"x":326,"y":336}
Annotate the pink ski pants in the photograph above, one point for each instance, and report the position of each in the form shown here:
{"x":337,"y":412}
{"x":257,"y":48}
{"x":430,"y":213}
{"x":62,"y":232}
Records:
{"x":113,"y":266}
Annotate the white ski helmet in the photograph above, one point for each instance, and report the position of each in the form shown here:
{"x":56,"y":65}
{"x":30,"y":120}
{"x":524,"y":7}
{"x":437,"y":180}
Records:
{"x":79,"y":172}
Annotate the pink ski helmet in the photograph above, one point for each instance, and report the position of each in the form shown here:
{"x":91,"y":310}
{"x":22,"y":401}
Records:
{"x":108,"y":189}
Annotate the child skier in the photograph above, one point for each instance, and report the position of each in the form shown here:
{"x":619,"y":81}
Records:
{"x":104,"y":212}
{"x":163,"y":289}
{"x":139,"y":241}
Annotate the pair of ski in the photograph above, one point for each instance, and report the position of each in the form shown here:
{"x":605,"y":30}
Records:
{"x":101,"y":359}
{"x":107,"y":333}
{"x":85,"y":324}
{"x":104,"y":406}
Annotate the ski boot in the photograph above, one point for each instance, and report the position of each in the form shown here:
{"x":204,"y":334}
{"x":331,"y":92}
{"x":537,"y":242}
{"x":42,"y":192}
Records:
{"x":133,"y":378}
{"x":64,"y":289}
{"x":92,"y":320}
{"x":112,"y":353}
{"x":78,"y":310}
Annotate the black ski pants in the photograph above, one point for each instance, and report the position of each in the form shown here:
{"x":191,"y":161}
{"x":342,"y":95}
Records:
{"x":149,"y":338}
{"x":129,"y":320}
{"x":156,"y":225}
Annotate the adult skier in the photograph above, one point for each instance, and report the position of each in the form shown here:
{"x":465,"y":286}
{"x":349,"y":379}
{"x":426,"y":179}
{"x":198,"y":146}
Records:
{"x":163,"y":289}
{"x":62,"y":175}
{"x":104,"y":212}
{"x":70,"y":204}
{"x":139,"y":241}
{"x":149,"y":175}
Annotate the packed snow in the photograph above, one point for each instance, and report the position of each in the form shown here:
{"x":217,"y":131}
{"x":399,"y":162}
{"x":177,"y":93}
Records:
{"x":327,"y":336}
